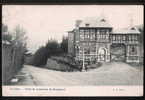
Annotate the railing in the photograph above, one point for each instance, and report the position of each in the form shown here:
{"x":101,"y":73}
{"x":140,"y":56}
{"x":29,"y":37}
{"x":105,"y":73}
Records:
{"x":124,"y":41}
{"x":90,"y":57}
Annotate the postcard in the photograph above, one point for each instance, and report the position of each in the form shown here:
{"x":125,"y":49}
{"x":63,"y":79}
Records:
{"x":72,"y":50}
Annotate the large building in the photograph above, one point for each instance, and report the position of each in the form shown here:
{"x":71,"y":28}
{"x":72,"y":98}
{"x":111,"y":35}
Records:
{"x":94,"y":40}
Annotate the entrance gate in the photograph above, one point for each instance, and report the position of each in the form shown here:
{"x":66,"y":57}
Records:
{"x":118,"y":52}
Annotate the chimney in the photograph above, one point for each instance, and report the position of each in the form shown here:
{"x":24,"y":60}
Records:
{"x":78,"y":22}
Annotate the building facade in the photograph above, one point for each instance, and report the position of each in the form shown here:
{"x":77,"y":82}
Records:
{"x":94,"y":40}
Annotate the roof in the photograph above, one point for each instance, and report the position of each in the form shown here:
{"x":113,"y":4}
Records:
{"x":95,"y":22}
{"x":129,"y":30}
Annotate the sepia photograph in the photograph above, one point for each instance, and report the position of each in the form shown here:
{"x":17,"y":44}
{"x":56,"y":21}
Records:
{"x":75,"y":49}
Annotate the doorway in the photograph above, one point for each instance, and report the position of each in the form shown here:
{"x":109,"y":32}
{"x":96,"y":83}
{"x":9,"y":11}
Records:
{"x":102,"y":55}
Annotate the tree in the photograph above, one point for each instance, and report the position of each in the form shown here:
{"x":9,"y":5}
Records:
{"x":141,"y":29}
{"x":64,"y":44}
{"x":6,"y":36}
{"x":19,"y":36}
{"x":53,"y":48}
{"x":40,"y":57}
{"x":4,"y":28}
{"x":19,"y":43}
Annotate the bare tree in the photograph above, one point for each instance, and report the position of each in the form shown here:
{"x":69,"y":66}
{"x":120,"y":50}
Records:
{"x":19,"y":36}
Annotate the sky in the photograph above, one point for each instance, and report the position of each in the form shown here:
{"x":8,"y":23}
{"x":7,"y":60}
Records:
{"x":43,"y":22}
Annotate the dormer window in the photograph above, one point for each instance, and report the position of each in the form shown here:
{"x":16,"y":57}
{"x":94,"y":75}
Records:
{"x":87,"y":25}
{"x":103,"y":20}
{"x":132,"y":28}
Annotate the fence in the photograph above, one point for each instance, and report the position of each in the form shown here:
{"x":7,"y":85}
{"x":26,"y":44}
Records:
{"x":12,"y":61}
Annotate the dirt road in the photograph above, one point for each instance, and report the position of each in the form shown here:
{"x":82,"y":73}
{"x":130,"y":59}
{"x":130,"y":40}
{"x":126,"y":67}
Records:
{"x":108,"y":74}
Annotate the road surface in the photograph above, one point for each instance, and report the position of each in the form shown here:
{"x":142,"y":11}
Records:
{"x":108,"y":74}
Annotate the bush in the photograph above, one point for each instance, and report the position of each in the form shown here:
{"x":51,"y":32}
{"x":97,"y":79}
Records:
{"x":7,"y":37}
{"x":59,"y":66}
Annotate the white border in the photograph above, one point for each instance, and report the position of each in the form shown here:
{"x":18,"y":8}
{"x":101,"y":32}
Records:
{"x":72,"y":91}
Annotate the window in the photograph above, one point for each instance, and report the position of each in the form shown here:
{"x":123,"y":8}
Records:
{"x":87,"y":24}
{"x":134,"y":38}
{"x":77,"y":49}
{"x":86,"y":34}
{"x":86,"y":31}
{"x":107,"y":31}
{"x":102,"y":31}
{"x":95,"y":36}
{"x":87,"y":51}
{"x":81,"y":37}
{"x":129,"y":38}
{"x":92,"y":34}
{"x":103,"y":34}
{"x":113,"y":37}
{"x":119,"y":37}
{"x":123,"y":37}
{"x":133,"y":50}
{"x":132,"y":28}
{"x":81,"y":51}
{"x":81,"y":34}
{"x":92,"y":31}
{"x":96,"y":31}
{"x":81,"y":31}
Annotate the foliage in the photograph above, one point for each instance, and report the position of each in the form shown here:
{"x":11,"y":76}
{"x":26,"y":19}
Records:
{"x":141,"y":29}
{"x":7,"y":37}
{"x":4,"y":28}
{"x":59,"y":65}
{"x":39,"y":58}
{"x":52,"y":48}
{"x":19,"y":36}
{"x":64,"y":44}
{"x":13,"y":55}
